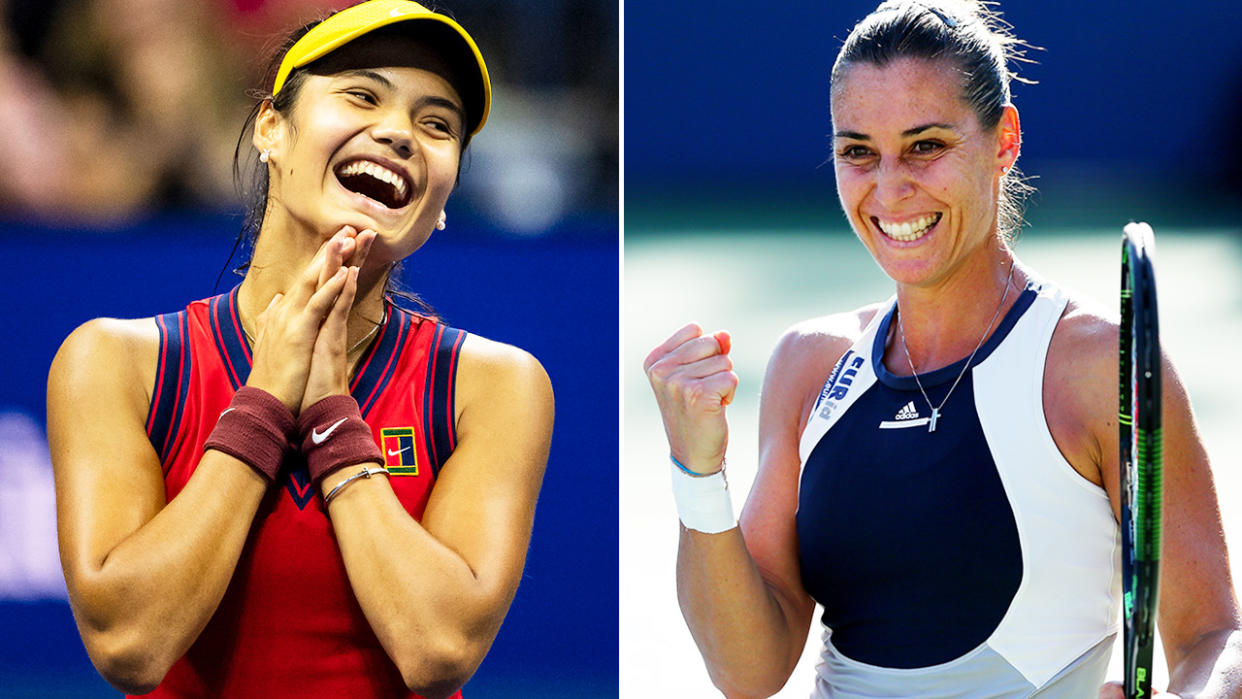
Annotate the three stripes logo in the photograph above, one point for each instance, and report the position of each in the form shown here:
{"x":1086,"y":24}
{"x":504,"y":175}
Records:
{"x":400,"y":452}
{"x":908,"y":416}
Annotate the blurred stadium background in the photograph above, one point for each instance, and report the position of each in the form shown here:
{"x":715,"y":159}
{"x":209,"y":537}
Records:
{"x":732,"y":220}
{"x":118,"y":120}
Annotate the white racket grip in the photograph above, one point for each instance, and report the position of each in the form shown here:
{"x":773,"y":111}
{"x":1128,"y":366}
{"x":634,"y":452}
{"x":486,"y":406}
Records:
{"x":703,"y":502}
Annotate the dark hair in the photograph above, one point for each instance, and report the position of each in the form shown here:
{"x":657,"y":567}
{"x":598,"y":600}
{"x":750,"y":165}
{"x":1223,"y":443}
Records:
{"x":968,"y":33}
{"x":251,"y":177}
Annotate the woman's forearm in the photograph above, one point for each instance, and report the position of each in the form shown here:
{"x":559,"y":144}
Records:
{"x":142,"y":604}
{"x":738,"y":621}
{"x":435,"y":616}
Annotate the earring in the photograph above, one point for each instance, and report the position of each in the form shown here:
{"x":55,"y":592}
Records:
{"x":1004,"y":169}
{"x":264,"y":156}
{"x":440,"y":223}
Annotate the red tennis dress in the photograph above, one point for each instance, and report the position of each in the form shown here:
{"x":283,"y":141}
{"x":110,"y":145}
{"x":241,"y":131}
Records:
{"x":289,"y":624}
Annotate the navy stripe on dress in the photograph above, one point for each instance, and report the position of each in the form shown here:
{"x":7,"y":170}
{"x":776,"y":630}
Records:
{"x":172,"y":379}
{"x":380,"y":362}
{"x":229,"y":338}
{"x":438,"y":401}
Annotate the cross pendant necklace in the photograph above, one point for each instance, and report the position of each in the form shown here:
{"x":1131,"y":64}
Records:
{"x":935,"y":409}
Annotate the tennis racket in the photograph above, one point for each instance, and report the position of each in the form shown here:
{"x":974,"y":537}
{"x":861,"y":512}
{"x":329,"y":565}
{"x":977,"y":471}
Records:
{"x":1141,"y":455}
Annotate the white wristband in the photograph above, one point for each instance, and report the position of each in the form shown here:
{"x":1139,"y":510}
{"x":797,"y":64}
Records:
{"x":703,"y":502}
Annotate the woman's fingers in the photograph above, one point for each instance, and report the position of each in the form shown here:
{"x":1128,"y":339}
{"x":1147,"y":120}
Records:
{"x":291,"y":323}
{"x":331,"y":255}
{"x":339,"y":315}
{"x":321,"y":302}
{"x":331,"y":335}
{"x":693,"y":380}
{"x":330,"y":262}
{"x":686,"y":333}
{"x":693,"y":394}
{"x":328,"y":373}
{"x":707,"y":366}
{"x":687,"y":355}
{"x":267,"y":313}
{"x":358,"y":256}
{"x":326,"y":261}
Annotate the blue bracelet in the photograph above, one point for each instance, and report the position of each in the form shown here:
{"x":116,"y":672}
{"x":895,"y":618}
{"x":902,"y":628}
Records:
{"x":693,"y":474}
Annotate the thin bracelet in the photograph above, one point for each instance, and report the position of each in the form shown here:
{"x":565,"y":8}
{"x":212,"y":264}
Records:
{"x":696,"y":474}
{"x":365,"y":473}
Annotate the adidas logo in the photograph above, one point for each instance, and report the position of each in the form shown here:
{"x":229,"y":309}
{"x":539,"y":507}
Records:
{"x":908,"y":412}
{"x":908,"y":416}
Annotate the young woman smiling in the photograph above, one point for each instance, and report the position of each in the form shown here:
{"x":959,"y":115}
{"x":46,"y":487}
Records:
{"x":938,"y":471}
{"x":298,"y":488}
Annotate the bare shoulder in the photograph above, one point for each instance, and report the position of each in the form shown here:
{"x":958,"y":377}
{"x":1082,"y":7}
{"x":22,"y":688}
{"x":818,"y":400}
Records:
{"x":121,"y":353}
{"x":493,"y":375}
{"x":1087,"y":332}
{"x":98,"y":397}
{"x":504,"y":412}
{"x":1080,"y":377}
{"x":807,"y":352}
{"x":484,"y":360}
{"x":113,"y":335}
{"x":1080,"y":388}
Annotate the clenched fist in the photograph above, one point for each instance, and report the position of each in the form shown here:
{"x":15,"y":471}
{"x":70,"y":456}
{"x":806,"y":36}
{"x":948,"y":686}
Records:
{"x":693,"y":380}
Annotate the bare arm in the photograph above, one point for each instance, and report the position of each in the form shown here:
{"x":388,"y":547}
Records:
{"x":741,"y":590}
{"x":143,"y":577}
{"x":466,"y":557}
{"x":1198,"y":614}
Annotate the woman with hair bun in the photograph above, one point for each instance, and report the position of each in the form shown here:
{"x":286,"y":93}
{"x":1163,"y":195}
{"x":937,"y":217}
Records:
{"x":938,"y":471}
{"x":299,"y":488}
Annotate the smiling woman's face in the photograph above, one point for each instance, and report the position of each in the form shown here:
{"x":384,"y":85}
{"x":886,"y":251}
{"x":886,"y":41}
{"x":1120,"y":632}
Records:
{"x":917,"y":175}
{"x":373,"y":141}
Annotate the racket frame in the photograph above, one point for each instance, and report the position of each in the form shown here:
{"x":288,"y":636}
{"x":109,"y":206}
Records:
{"x":1139,"y":421}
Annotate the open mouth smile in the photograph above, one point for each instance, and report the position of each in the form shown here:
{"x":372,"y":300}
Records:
{"x":381,"y":183}
{"x":908,"y":231}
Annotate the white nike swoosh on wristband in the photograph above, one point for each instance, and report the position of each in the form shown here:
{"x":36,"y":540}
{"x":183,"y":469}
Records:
{"x":318,"y":437}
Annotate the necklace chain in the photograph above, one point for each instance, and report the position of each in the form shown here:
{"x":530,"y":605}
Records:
{"x":935,"y":414}
{"x":383,"y":321}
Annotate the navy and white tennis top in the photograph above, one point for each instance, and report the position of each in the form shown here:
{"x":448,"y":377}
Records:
{"x":972,"y":561}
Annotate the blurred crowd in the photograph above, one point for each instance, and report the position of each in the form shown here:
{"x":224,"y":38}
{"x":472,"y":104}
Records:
{"x":112,"y":108}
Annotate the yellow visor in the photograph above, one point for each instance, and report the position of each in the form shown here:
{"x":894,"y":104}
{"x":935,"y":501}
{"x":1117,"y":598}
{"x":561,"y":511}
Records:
{"x":363,"y":18}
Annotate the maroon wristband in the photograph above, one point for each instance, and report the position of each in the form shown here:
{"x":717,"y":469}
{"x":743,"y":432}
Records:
{"x":334,"y":435}
{"x":256,"y":428}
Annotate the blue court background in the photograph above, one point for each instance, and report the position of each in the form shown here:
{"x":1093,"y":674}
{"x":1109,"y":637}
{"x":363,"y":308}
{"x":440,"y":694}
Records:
{"x":555,"y":296}
{"x":727,"y":116}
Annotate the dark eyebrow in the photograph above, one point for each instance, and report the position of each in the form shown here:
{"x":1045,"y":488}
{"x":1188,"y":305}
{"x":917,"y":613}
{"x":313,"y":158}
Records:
{"x":437,"y":101}
{"x":920,"y":129}
{"x":854,"y":135}
{"x":370,"y":74}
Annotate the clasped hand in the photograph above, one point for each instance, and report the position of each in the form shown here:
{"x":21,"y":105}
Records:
{"x":300,"y":347}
